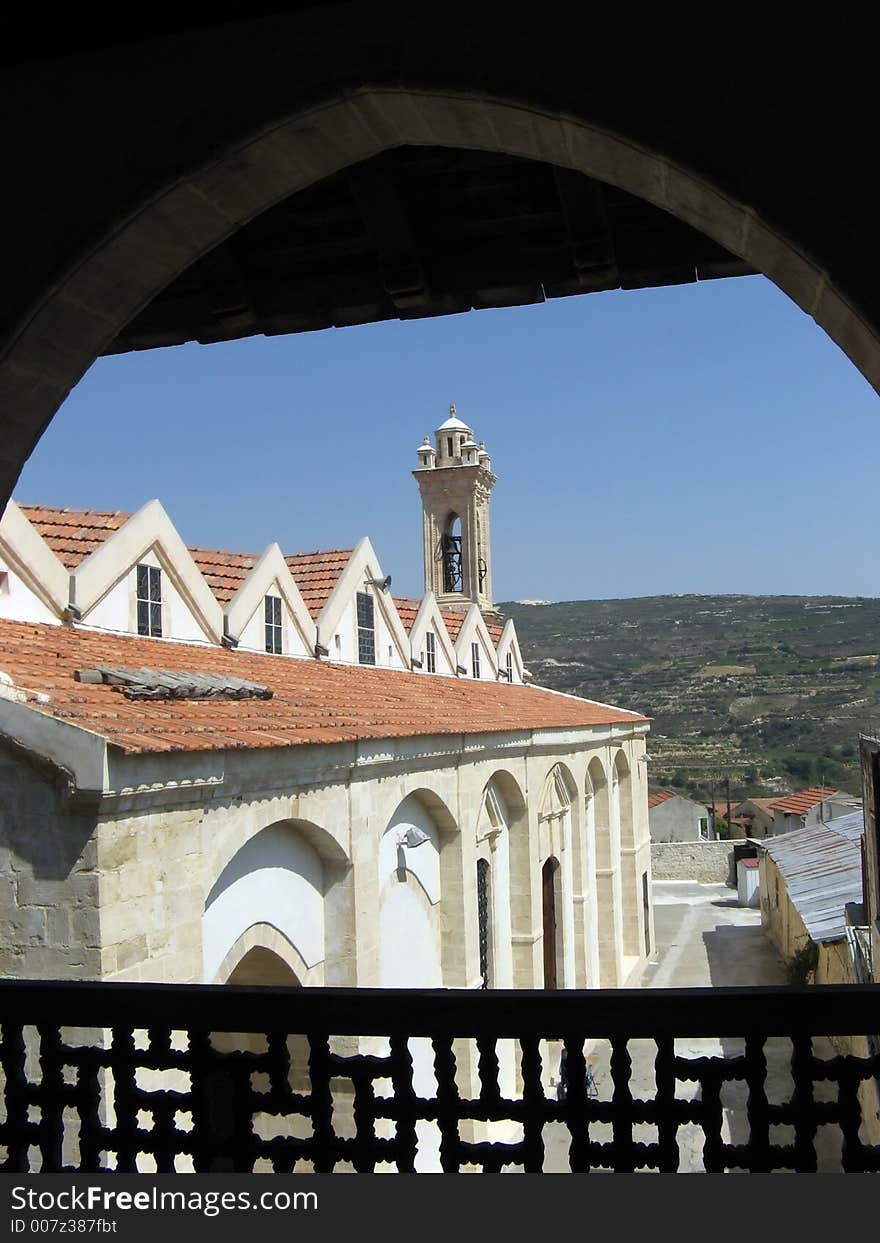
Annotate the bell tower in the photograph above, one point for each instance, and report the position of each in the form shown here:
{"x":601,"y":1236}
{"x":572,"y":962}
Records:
{"x":455,"y":479}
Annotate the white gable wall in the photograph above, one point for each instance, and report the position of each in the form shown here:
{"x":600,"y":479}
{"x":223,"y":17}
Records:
{"x":487,"y":656}
{"x":18,"y":602}
{"x":117,"y":610}
{"x":442,"y":663}
{"x":343,"y":643}
{"x":253,"y":636}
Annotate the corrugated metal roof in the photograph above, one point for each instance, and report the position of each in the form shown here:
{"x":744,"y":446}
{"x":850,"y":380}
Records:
{"x":822,"y":869}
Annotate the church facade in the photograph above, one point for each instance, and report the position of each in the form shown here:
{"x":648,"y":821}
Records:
{"x":232,"y":768}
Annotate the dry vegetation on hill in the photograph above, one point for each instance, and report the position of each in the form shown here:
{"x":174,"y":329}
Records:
{"x":770,"y":690}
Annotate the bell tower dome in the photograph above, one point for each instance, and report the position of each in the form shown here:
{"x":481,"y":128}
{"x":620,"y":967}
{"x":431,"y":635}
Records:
{"x":455,"y":479}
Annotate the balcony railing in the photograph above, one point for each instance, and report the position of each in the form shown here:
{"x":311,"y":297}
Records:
{"x":169,"y":1077}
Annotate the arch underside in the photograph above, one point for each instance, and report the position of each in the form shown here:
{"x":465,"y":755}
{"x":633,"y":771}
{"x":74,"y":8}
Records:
{"x":205,"y":237}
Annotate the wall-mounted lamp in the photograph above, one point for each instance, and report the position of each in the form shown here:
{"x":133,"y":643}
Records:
{"x":645,"y":759}
{"x":382,"y":583}
{"x":502,"y":673}
{"x":228,"y":640}
{"x":72,"y":613}
{"x":460,"y":669}
{"x":413,"y":837}
{"x":320,"y":650}
{"x":527,"y":675}
{"x":416,"y":664}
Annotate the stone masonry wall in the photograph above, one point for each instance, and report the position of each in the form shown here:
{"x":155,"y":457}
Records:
{"x":48,"y":884}
{"x":706,"y":862}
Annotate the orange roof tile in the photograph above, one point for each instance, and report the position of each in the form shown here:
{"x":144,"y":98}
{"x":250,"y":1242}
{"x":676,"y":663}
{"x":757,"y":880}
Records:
{"x":407,"y":610}
{"x":453,"y":619}
{"x":73,"y":534}
{"x":224,"y":572}
{"x":313,"y":701}
{"x":801,"y":803}
{"x":661,"y":796}
{"x":316,"y":573}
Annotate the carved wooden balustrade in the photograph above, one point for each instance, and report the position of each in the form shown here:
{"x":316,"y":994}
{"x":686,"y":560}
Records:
{"x":172,"y":1077}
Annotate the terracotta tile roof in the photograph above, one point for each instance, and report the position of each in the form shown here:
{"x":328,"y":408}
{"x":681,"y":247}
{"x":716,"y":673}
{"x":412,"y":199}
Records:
{"x":453,"y":620}
{"x":73,"y":533}
{"x":224,"y":572}
{"x":654,"y":800}
{"x":407,"y":609}
{"x":313,"y":701}
{"x":315,"y":573}
{"x":801,"y":803}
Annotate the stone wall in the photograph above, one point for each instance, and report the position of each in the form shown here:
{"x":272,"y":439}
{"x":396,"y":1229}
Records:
{"x":49,"y":925}
{"x":706,"y":862}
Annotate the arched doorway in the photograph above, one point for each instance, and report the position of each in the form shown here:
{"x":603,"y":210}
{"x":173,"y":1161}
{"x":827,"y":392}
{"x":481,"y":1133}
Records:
{"x":171,"y":220}
{"x":558,"y":826}
{"x":549,"y":884}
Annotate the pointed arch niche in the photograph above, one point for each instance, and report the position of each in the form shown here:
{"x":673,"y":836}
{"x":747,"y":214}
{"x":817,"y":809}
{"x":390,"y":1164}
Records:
{"x":558,"y":823}
{"x":607,"y":873}
{"x":630,"y":881}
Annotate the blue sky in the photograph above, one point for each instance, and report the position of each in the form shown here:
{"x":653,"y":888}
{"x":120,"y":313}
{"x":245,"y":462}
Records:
{"x":701,"y":438}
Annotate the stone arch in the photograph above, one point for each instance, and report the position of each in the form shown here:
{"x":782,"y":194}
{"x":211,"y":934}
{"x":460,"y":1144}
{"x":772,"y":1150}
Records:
{"x":607,"y":873}
{"x":419,"y":895}
{"x":264,"y":958}
{"x":74,"y":319}
{"x":558,"y":828}
{"x":502,"y":841}
{"x":262,"y":950}
{"x":632,"y":903}
{"x":275,"y":878}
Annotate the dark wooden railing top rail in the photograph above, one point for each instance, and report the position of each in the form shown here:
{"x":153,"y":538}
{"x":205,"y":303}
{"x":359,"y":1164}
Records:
{"x":100,"y":1076}
{"x":831,"y":1009}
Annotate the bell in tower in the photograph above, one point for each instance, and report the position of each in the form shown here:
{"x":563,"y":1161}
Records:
{"x":455,"y":479}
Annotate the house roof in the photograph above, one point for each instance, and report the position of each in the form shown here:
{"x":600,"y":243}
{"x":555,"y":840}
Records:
{"x":763,"y":804}
{"x":661,"y":796}
{"x":453,"y":619}
{"x":822,"y":869}
{"x":315,"y":573}
{"x":799,"y":804}
{"x":407,"y":610}
{"x":312,"y":701}
{"x":73,"y":534}
{"x":224,"y":572}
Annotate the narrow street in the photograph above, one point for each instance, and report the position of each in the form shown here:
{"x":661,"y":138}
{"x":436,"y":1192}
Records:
{"x":704,"y":939}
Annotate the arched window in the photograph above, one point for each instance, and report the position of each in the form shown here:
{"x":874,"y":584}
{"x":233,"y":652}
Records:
{"x":451,"y":554}
{"x":484,"y":912}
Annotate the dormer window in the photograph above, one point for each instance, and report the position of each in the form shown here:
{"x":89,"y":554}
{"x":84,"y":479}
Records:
{"x":509,"y":663}
{"x":366,"y":621}
{"x":149,"y":601}
{"x":273,"y":625}
{"x":475,"y":659}
{"x":430,"y":652}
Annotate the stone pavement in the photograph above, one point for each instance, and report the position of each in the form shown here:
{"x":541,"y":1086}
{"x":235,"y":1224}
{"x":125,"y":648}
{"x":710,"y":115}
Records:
{"x":704,"y":939}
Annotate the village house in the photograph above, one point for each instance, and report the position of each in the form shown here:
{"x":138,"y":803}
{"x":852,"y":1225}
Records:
{"x":674,"y":818}
{"x":808,"y":807}
{"x":812,"y":890}
{"x":223,"y":767}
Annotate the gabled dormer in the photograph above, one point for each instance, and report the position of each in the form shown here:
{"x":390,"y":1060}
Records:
{"x":34,"y":582}
{"x":510,"y":661}
{"x":359,"y":623}
{"x":143,"y":580}
{"x":268,"y":614}
{"x":433,"y":651}
{"x":474,"y":650}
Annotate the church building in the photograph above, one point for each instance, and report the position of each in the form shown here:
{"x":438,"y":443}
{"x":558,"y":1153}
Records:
{"x":221,"y":767}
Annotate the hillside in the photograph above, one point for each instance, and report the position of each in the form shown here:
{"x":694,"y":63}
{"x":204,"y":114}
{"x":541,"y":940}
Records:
{"x":770,"y":690}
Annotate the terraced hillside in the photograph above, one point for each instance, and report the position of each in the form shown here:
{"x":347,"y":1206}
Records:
{"x":770,"y":690}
